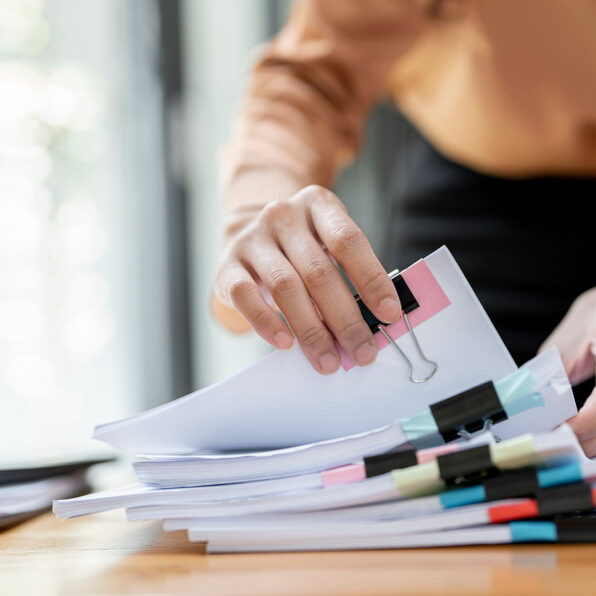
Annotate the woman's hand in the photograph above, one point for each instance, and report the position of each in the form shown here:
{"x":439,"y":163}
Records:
{"x":288,"y":248}
{"x":575,"y":337}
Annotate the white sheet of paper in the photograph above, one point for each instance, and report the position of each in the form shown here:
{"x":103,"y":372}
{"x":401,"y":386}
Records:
{"x":493,"y":534}
{"x":34,"y":496}
{"x":281,"y":401}
{"x":167,"y":471}
{"x":296,"y":532}
{"x":141,"y":495}
{"x":555,"y":447}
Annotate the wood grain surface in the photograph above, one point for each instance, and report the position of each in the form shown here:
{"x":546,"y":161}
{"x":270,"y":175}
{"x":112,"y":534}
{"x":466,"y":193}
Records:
{"x":104,"y":554}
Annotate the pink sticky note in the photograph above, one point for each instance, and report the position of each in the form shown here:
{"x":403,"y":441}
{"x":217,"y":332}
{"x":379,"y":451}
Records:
{"x":426,"y":455}
{"x":343,"y":474}
{"x":430,"y":297}
{"x":357,"y":472}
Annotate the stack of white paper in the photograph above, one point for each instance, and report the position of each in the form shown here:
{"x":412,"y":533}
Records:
{"x":282,"y":402}
{"x":24,"y":500}
{"x":279,"y":457}
{"x":29,"y":486}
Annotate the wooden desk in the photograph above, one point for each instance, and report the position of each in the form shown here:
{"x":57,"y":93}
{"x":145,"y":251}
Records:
{"x":104,"y":555}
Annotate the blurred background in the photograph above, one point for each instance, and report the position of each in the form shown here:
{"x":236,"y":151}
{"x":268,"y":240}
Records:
{"x":111,"y":117}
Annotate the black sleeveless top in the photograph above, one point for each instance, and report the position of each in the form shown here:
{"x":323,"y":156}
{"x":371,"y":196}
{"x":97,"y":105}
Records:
{"x":526,"y":246}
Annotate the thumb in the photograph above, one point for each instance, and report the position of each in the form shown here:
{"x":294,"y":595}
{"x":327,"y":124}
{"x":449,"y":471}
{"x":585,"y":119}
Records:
{"x":229,"y":317}
{"x":584,"y":422}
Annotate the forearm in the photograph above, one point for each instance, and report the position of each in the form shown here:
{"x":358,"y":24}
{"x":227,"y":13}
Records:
{"x":309,"y":93}
{"x":245,"y":195}
{"x":300,"y":122}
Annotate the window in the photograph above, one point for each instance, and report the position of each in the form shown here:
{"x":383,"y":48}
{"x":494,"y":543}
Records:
{"x":111,"y":117}
{"x":86,"y":312}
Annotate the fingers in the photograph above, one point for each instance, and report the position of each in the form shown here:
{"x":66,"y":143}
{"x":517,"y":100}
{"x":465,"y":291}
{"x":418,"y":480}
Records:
{"x":282,"y":249}
{"x":229,"y":317}
{"x":584,"y":425}
{"x":575,"y":337}
{"x":331,"y":295}
{"x":241,"y":290}
{"x":287,"y":289}
{"x":352,"y":250}
{"x":584,"y":422}
{"x":589,"y":447}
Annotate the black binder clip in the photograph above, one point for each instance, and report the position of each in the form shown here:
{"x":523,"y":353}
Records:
{"x":467,"y":467}
{"x":408,"y":304}
{"x":467,"y":412}
{"x":576,"y":528}
{"x":487,"y":426}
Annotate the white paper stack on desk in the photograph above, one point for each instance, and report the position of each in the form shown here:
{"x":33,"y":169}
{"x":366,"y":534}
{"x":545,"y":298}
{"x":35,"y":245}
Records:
{"x":279,"y":457}
{"x":28,"y":486}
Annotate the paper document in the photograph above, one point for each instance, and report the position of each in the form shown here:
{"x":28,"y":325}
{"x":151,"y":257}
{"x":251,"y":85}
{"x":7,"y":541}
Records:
{"x":281,"y":401}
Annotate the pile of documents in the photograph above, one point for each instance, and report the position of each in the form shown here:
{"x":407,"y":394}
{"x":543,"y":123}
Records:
{"x":29,"y":486}
{"x":279,"y":458}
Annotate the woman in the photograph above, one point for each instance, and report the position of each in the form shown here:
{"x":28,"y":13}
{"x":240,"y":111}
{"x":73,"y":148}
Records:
{"x":503,"y":172}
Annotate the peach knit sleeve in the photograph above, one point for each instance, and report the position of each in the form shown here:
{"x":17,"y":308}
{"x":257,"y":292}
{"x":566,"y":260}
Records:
{"x":310,"y":92}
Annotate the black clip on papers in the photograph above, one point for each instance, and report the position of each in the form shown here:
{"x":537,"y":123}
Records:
{"x":567,"y":497}
{"x":475,"y":409}
{"x":408,"y":304}
{"x":467,"y":467}
{"x":576,"y":528}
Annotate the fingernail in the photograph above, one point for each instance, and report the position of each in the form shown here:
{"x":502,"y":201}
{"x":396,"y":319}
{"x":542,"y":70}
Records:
{"x":389,"y":309}
{"x":283,"y":340}
{"x":365,"y":354}
{"x":329,"y":363}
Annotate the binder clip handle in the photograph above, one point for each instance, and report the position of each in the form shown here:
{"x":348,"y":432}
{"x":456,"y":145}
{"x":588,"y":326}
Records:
{"x":486,"y":427}
{"x":408,"y":303}
{"x":433,"y":365}
{"x":463,"y":433}
{"x":489,"y":427}
{"x":477,"y":408}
